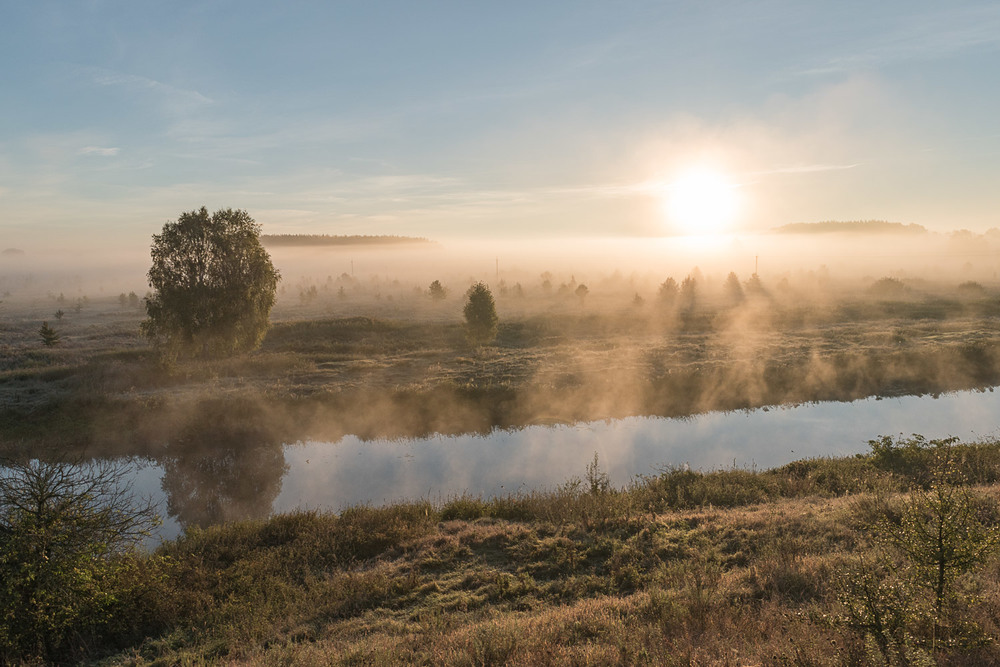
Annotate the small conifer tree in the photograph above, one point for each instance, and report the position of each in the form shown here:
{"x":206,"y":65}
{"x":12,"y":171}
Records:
{"x":668,"y":291}
{"x":49,"y":335}
{"x":437,"y":290}
{"x":481,"y":321}
{"x":734,"y":291}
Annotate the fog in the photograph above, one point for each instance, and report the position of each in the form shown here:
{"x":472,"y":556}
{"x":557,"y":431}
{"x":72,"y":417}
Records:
{"x":749,"y":320}
{"x":641,"y":264}
{"x":359,"y":347}
{"x":610,"y":267}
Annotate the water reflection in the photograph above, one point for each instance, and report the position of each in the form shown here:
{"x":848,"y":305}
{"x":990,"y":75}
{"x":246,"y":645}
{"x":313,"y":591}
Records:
{"x":215,"y":475}
{"x":351,"y":471}
{"x":219,"y":475}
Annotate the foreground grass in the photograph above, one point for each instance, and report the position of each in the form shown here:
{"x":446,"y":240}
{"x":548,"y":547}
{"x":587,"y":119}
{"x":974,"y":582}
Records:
{"x":728,"y":567}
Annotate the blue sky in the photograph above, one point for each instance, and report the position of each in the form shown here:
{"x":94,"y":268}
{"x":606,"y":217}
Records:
{"x":497,"y":119}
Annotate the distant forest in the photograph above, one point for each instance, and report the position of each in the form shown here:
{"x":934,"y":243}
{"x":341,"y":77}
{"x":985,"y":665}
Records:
{"x":326,"y":239}
{"x":853,"y":227}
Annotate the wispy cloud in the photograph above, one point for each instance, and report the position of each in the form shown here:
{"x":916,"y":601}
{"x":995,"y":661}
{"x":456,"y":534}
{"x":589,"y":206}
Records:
{"x":387,"y":188}
{"x":175,"y":96}
{"x":101,"y":151}
{"x":609,"y":190}
{"x":922,"y":37}
{"x":806,"y":169}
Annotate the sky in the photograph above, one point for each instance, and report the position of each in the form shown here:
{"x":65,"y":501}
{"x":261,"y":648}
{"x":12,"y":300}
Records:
{"x":493,"y":119}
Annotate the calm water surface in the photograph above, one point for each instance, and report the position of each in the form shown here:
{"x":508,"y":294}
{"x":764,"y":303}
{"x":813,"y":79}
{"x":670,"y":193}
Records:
{"x":206,"y":486}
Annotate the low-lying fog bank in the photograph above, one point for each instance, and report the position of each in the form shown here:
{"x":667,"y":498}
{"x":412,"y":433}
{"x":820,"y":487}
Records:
{"x":607,"y":266}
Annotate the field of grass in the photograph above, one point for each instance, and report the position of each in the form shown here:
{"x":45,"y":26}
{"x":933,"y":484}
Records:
{"x":411,"y":372}
{"x":808,"y":564}
{"x":816,"y":563}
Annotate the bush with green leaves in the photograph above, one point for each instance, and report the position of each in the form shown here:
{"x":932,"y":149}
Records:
{"x":909,"y":598}
{"x":880,"y":607}
{"x":942,"y":534}
{"x":67,"y":540}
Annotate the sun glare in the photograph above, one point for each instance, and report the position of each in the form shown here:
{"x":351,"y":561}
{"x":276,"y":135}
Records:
{"x":701,"y":202}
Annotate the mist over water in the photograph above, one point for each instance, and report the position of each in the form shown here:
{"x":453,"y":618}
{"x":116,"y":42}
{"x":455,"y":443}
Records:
{"x":335,"y":475}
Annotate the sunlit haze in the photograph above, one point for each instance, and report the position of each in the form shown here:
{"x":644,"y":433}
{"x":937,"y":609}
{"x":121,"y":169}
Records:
{"x":702,"y":202}
{"x":494,"y":120}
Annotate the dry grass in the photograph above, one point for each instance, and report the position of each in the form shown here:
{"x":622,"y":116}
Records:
{"x":574,"y":576}
{"x":749,"y":586}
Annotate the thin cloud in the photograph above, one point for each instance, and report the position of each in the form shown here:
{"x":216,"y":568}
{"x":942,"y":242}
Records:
{"x":394,"y":187}
{"x":215,"y":137}
{"x":215,"y":158}
{"x":807,"y":169}
{"x":186,"y":97}
{"x":920,"y":38}
{"x":101,"y":151}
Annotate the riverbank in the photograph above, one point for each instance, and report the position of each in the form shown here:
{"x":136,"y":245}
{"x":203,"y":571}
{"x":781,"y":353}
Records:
{"x":803,"y":564}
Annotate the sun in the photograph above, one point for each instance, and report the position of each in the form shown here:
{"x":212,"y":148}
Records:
{"x":701,"y":202}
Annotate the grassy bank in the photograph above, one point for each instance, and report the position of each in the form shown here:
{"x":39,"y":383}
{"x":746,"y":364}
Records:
{"x":819,"y":562}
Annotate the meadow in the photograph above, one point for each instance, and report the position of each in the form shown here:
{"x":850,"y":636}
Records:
{"x":392,"y":361}
{"x":819,"y":562}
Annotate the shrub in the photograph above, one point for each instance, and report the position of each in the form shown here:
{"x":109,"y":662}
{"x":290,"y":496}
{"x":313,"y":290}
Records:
{"x":942,"y":535}
{"x":66,"y":536}
{"x":971,"y":288}
{"x":908,"y":597}
{"x":887,"y":288}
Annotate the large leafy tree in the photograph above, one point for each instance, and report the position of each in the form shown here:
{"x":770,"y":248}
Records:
{"x":213,"y":284}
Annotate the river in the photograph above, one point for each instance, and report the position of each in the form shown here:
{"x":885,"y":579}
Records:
{"x":235,"y":480}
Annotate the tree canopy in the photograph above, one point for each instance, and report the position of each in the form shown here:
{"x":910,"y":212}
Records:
{"x":213,"y":284}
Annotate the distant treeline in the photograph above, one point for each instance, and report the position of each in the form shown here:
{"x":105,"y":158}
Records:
{"x":326,"y":239}
{"x":853,"y":227}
